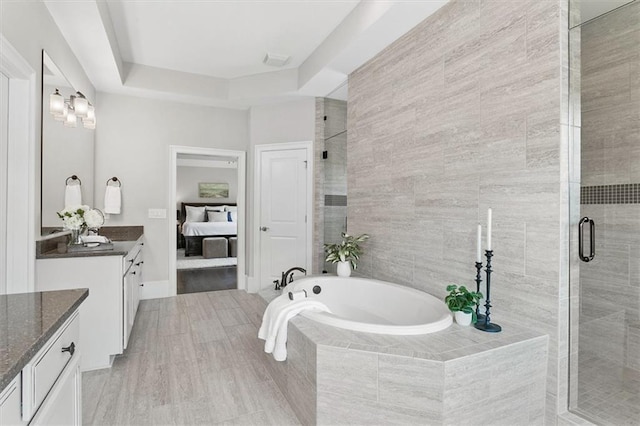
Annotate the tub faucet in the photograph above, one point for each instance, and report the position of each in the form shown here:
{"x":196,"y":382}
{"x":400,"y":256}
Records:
{"x":287,"y":277}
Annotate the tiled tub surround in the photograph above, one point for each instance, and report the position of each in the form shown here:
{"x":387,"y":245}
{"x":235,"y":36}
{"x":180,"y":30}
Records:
{"x":336,"y":376}
{"x":468,"y":111}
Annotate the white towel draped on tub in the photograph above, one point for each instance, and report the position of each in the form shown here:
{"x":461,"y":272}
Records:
{"x":276,"y":318}
{"x":112,"y":200}
{"x":72,"y":195}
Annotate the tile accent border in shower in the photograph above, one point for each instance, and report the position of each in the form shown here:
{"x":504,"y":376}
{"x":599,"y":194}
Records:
{"x":335,"y":200}
{"x":625,"y":193}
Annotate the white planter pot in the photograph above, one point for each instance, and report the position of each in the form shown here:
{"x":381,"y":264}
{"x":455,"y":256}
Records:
{"x":462,"y":318}
{"x":344,"y":269}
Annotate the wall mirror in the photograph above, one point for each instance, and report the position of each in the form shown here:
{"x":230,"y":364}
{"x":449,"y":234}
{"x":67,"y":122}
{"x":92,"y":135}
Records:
{"x":66,"y":151}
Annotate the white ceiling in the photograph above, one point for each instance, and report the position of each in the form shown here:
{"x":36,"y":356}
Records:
{"x":225,"y":39}
{"x":210,"y":52}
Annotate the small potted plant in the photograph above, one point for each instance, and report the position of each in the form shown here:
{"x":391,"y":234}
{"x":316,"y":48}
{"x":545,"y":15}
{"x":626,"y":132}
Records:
{"x":345,"y":253}
{"x":462,"y":303}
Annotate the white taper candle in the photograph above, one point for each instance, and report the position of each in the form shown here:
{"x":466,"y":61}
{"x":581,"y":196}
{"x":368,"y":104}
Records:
{"x":489,"y":229}
{"x":479,"y":246}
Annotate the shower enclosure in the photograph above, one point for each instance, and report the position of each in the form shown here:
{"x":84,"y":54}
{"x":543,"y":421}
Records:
{"x":605,"y":258}
{"x":335,"y":172}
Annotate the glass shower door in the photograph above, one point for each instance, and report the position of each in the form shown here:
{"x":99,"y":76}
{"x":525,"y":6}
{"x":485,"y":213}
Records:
{"x":605,"y":352}
{"x":335,"y":173}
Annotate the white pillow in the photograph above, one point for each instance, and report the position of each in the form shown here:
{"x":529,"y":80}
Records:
{"x":194,"y":214}
{"x":217,"y":216}
{"x":230,"y":208}
{"x":214,"y":208}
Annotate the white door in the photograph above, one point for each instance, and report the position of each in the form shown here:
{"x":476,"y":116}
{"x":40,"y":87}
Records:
{"x":4,"y":130}
{"x":283,"y":212}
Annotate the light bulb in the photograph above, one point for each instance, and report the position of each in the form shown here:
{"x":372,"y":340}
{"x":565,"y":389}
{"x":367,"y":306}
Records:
{"x":80,"y":105}
{"x":91,"y":113}
{"x":56,"y":103}
{"x":71,"y":120}
{"x":63,"y":115}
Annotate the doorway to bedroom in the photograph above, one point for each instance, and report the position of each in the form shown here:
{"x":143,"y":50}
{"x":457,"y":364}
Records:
{"x":207,"y":251}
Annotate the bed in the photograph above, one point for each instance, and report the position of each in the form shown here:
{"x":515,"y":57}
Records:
{"x":194,"y":232}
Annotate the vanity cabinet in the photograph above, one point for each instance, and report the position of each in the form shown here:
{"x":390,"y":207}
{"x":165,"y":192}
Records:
{"x":48,"y":389}
{"x":132,"y":281}
{"x":51,"y":382}
{"x":109,"y":311}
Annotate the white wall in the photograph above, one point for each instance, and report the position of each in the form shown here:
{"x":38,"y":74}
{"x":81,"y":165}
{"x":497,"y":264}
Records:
{"x":133,"y":136}
{"x":187,"y":180}
{"x":28,"y":26}
{"x":285,"y":122}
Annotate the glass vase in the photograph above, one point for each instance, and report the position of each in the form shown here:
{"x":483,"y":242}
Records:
{"x":76,"y":237}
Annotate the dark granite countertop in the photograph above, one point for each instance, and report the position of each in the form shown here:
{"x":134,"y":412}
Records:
{"x":27,"y":321}
{"x":120,"y":248}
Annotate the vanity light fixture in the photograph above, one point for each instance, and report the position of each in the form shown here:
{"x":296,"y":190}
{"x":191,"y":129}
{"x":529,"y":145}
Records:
{"x":69,"y":110}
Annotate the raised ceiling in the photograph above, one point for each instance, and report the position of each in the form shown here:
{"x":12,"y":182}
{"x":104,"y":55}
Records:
{"x":227,"y":39}
{"x":210,"y":52}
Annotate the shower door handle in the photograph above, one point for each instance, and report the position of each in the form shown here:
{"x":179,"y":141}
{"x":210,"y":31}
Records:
{"x":592,"y":239}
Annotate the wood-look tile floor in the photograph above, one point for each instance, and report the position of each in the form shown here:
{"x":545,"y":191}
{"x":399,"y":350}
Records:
{"x":192,"y":359}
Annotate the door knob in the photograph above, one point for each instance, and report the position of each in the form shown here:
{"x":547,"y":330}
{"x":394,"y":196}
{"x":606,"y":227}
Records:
{"x":264,"y":228}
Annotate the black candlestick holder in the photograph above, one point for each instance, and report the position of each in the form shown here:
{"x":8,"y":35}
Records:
{"x":479,"y":316}
{"x":485,"y":324}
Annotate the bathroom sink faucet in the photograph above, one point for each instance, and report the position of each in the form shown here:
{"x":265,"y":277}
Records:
{"x":287,"y":277}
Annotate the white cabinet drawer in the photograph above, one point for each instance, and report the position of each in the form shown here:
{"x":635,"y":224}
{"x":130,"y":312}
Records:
{"x":62,"y":406}
{"x":10,"y":404}
{"x":41,"y":373}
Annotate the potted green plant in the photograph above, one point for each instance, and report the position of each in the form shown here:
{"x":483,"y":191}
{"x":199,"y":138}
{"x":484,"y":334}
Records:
{"x":462,"y":303}
{"x":345,"y":253}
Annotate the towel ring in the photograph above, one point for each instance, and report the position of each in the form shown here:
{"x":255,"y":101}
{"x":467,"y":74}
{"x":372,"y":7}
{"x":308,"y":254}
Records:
{"x":73,"y":177}
{"x":114,"y":179}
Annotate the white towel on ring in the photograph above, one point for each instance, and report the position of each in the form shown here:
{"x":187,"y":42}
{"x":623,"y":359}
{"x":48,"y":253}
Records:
{"x":72,"y":195}
{"x":275,"y":320}
{"x":112,"y":199}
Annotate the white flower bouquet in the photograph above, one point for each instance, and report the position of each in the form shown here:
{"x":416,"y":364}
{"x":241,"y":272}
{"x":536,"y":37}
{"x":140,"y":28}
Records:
{"x":80,"y":217}
{"x":94,"y":219}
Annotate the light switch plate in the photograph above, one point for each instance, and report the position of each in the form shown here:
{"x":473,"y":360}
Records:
{"x":157,"y":213}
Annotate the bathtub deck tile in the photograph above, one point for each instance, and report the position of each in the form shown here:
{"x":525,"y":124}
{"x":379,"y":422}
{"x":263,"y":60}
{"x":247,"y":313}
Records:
{"x":413,"y":379}
{"x":383,"y":350}
{"x":411,"y":383}
{"x":347,"y":372}
{"x":335,"y":409}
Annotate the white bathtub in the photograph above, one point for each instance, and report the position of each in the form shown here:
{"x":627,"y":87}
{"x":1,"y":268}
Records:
{"x":374,"y":306}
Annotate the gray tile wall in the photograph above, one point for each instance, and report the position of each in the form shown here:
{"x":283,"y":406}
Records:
{"x":463,"y":113}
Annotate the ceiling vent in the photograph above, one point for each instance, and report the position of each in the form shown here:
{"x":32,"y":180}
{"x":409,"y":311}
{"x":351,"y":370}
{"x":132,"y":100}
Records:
{"x":276,"y":60}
